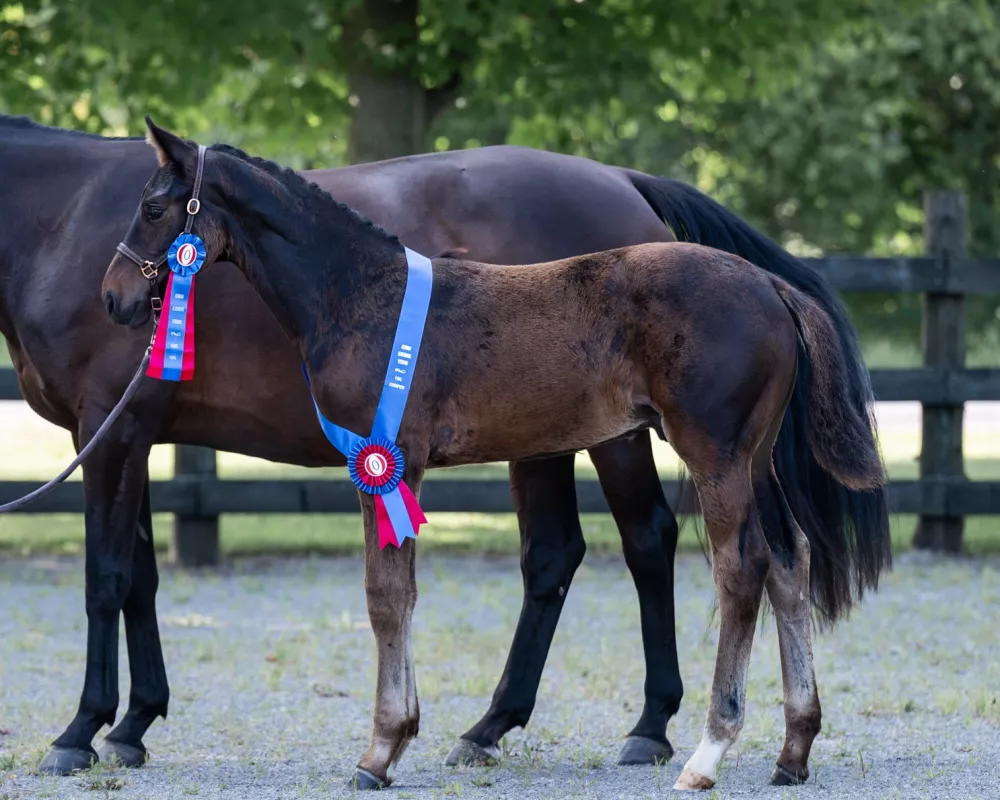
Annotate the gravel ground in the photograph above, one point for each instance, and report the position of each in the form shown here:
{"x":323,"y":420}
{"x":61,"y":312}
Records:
{"x":272,"y":668}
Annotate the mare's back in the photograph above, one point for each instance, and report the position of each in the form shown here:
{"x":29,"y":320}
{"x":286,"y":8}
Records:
{"x":504,"y":204}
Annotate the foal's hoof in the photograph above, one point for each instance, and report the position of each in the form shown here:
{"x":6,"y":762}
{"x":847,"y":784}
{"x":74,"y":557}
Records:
{"x":641,"y":750}
{"x":364,"y":781}
{"x":128,"y":755}
{"x":470,"y":754}
{"x":784,"y":777}
{"x":693,"y":781}
{"x":67,"y":760}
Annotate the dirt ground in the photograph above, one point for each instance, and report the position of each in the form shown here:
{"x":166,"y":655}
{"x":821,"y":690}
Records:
{"x":272,"y":673}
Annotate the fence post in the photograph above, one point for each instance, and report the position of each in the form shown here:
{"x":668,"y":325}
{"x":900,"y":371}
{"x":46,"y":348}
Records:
{"x":943,"y":344}
{"x":195,"y":542}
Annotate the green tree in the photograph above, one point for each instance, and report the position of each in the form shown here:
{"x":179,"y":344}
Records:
{"x":254,"y":72}
{"x":834,"y":156}
{"x":293,"y":77}
{"x":839,"y":160}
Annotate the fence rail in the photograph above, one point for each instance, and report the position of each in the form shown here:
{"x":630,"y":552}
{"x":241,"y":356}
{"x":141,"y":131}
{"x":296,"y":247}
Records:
{"x":942,"y":497}
{"x":210,"y":497}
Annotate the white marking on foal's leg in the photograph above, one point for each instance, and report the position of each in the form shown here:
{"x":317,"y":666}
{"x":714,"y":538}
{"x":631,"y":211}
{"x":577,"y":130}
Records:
{"x":702,"y":769}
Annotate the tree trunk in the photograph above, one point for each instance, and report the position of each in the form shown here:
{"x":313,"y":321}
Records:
{"x":390,"y":105}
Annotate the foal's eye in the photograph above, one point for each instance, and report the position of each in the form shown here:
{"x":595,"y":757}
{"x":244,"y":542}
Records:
{"x":154,"y":213}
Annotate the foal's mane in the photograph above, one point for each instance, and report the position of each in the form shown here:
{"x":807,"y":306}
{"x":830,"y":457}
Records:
{"x":306,"y":191}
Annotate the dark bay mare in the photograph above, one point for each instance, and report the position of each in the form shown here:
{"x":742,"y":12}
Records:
{"x":546,"y":359}
{"x":66,"y":200}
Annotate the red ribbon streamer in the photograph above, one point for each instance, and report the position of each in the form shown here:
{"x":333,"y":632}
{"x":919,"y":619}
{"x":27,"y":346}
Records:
{"x":387,"y":534}
{"x":158,"y":356}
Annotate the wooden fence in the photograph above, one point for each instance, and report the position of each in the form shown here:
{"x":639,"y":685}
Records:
{"x":942,"y":496}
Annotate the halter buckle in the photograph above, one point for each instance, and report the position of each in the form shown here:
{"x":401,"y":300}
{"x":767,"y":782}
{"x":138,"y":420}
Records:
{"x":156,"y":303}
{"x":149,"y":270}
{"x":193,"y":206}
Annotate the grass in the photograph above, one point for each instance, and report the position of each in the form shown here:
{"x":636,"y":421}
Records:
{"x":35,"y":450}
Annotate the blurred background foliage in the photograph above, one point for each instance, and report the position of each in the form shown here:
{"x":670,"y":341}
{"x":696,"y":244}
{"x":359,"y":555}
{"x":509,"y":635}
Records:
{"x":821,"y":123}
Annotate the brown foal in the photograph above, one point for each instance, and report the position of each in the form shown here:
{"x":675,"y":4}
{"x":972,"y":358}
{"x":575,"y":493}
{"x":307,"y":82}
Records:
{"x":538,"y":360}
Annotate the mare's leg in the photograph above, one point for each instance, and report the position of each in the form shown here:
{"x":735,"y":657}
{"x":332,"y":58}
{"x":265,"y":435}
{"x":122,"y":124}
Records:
{"x":391,"y":588}
{"x":150,"y":693}
{"x":552,"y":548}
{"x":649,"y":540}
{"x":113,"y":480}
{"x":788,"y":590}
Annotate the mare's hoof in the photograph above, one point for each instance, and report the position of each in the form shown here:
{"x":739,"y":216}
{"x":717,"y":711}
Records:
{"x":641,"y":750}
{"x":693,"y":781}
{"x":783,"y":777}
{"x":470,"y":754}
{"x":67,"y":760}
{"x":128,"y":755}
{"x":364,"y":781}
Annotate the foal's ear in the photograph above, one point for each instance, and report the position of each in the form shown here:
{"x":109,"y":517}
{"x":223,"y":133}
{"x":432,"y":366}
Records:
{"x":172,"y":149}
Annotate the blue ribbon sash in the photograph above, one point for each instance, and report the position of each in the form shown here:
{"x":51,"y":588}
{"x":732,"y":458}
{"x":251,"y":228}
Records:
{"x":375,"y":463}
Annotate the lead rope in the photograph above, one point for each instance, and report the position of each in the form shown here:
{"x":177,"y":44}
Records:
{"x":130,"y":391}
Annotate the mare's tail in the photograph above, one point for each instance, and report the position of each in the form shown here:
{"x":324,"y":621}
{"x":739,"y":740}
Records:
{"x":826,"y":471}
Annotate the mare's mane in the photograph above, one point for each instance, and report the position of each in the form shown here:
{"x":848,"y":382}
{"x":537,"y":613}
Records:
{"x":306,"y":190}
{"x":21,"y":123}
{"x":299,"y":187}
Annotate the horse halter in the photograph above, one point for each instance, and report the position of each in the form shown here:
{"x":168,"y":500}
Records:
{"x":151,"y":269}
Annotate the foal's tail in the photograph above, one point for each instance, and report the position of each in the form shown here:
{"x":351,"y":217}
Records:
{"x":842,"y":444}
{"x":840,"y":440}
{"x":847,"y":527}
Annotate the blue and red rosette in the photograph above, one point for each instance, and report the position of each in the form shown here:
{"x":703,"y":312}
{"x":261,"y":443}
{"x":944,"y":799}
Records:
{"x":186,"y":255}
{"x":376,"y":467}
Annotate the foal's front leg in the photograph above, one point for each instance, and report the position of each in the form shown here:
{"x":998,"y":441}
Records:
{"x":391,"y":587}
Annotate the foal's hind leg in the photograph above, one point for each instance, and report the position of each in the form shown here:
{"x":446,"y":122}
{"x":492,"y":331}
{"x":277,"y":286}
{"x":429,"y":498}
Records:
{"x":788,"y":591}
{"x":728,"y":462}
{"x":740,"y":563}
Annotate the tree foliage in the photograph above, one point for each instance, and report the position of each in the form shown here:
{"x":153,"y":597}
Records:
{"x":839,"y":161}
{"x":843,"y":156}
{"x":823,"y":123}
{"x":276,"y":72}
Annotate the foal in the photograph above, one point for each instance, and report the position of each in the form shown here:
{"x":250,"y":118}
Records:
{"x":538,"y":360}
